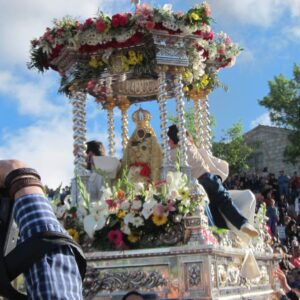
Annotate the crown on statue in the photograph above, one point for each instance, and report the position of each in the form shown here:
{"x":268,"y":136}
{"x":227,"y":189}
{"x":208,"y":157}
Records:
{"x":141,"y":118}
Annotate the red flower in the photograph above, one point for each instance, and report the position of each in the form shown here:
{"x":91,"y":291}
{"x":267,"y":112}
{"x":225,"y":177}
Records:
{"x":111,"y":203}
{"x":150,"y":25}
{"x":115,"y":20}
{"x":89,"y":22}
{"x":145,"y":171}
{"x":116,"y":237}
{"x":100,"y":25}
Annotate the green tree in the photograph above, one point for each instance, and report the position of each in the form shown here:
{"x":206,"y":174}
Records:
{"x":283,"y":102}
{"x":234,"y":149}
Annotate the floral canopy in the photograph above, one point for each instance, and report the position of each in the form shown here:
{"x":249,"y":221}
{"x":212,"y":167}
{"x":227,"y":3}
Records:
{"x":125,"y":44}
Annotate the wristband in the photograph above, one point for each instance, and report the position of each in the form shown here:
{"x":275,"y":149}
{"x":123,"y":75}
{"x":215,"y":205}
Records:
{"x":21,"y":183}
{"x":20,"y":172}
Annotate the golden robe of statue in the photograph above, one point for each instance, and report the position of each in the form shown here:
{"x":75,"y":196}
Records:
{"x":143,"y":153}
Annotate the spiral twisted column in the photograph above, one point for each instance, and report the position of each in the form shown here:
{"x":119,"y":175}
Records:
{"x":198,"y":122}
{"x":111,"y":127}
{"x":124,"y":105}
{"x":181,"y":124}
{"x":206,"y":125}
{"x":162,"y":103}
{"x":78,"y":102}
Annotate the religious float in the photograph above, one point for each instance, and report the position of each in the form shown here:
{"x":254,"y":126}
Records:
{"x":148,"y":231}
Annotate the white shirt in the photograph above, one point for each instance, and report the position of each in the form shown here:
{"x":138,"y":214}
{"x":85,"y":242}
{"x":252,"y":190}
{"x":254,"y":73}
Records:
{"x":202,"y":162}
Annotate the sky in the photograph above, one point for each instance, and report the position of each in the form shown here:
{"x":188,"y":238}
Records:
{"x":36,"y":122}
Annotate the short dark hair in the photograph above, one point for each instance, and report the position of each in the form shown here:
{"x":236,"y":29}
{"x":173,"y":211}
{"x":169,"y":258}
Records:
{"x":173,"y":134}
{"x":96,"y":147}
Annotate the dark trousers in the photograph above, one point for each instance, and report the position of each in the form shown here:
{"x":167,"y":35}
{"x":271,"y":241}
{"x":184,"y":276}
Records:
{"x":220,"y":202}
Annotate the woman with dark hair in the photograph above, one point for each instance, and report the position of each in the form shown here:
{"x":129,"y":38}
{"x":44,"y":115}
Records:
{"x":220,"y":199}
{"x":95,"y":181}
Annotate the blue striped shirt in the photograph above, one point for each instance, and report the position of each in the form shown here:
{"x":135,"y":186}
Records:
{"x":56,"y":275}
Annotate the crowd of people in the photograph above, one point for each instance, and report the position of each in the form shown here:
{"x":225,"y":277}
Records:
{"x":281,"y":197}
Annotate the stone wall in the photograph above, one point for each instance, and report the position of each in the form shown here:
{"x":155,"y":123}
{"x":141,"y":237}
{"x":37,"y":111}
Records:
{"x":269,"y":144}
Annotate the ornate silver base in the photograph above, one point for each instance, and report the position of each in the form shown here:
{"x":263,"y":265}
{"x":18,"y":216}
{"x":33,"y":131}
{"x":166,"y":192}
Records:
{"x":188,"y":272}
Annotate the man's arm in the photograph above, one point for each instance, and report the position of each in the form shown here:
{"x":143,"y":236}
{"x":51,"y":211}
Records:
{"x":56,"y":275}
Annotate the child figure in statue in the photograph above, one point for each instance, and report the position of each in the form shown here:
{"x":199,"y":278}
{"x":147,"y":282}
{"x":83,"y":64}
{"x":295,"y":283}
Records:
{"x":220,"y":199}
{"x":143,"y":155}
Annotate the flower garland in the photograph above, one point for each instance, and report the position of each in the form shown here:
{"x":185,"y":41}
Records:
{"x":110,"y":34}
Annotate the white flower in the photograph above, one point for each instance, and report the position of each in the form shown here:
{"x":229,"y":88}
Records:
{"x":125,"y":205}
{"x":138,"y":188}
{"x":61,"y":209}
{"x":129,"y":218}
{"x":106,"y":194}
{"x":136,"y":204}
{"x":148,"y":208}
{"x":90,"y":224}
{"x":125,"y":228}
{"x":137,"y":221}
{"x":167,"y":8}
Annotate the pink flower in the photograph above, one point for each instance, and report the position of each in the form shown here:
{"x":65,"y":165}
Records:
{"x":159,"y":209}
{"x":91,"y":84}
{"x":171,"y":206}
{"x":116,"y":237}
{"x":207,"y":10}
{"x":100,"y":25}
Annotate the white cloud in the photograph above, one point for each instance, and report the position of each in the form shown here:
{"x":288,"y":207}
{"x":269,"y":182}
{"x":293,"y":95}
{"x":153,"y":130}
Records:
{"x":252,"y":12}
{"x":293,"y":32}
{"x":30,"y":94}
{"x":24,"y":20}
{"x":263,"y":119}
{"x":46,"y":146}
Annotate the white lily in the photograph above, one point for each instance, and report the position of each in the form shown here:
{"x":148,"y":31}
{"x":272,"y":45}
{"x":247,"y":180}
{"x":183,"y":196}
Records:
{"x":148,"y":208}
{"x":138,"y":188}
{"x":137,"y":222}
{"x":167,"y":8}
{"x":136,"y":204}
{"x":129,"y":218}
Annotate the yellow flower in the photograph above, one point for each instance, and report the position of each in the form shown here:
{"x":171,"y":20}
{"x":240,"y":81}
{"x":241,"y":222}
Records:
{"x":93,"y":63}
{"x":195,"y":16}
{"x":184,"y":193}
{"x":132,"y":53}
{"x":186,"y":88}
{"x":159,"y":220}
{"x":121,"y":214}
{"x":205,"y":80}
{"x":140,"y":57}
{"x":74,"y":234}
{"x":133,"y":238}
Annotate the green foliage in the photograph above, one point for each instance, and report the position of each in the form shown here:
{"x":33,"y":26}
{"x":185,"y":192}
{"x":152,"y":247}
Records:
{"x":283,"y":102}
{"x":83,"y":192}
{"x":233,"y":148}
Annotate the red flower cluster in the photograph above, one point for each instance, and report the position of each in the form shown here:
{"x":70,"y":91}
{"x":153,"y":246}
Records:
{"x":100,"y":25}
{"x":205,"y":35}
{"x":88,"y":22}
{"x":120,"y":20}
{"x":145,"y":171}
{"x":116,"y":237}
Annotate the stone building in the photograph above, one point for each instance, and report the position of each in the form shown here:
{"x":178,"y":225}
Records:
{"x":269,"y":144}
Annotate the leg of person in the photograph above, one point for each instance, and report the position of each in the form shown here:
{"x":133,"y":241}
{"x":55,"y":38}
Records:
{"x":220,"y":198}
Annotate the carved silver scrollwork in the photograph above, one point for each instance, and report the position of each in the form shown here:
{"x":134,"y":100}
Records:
{"x":194,"y":275}
{"x":170,"y":50}
{"x":171,"y":236}
{"x":97,"y":280}
{"x":78,"y":101}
